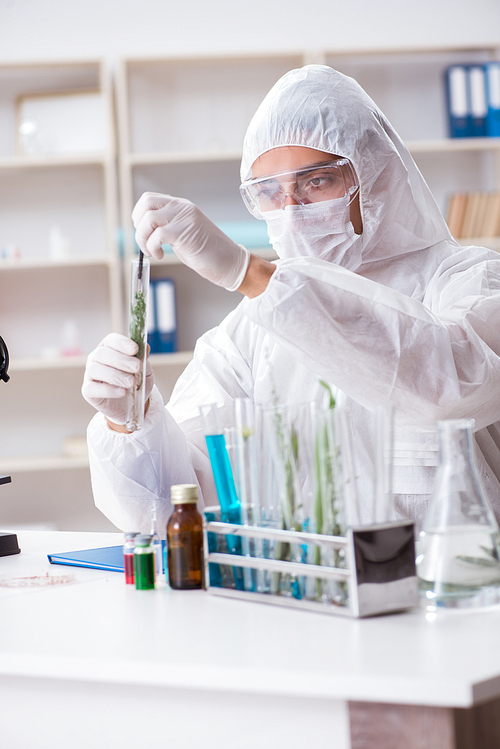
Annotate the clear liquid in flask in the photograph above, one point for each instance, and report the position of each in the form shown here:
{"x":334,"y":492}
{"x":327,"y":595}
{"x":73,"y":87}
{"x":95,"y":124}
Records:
{"x":459,"y":567}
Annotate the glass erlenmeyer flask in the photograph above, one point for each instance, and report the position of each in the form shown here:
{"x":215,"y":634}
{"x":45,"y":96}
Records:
{"x":458,"y":557}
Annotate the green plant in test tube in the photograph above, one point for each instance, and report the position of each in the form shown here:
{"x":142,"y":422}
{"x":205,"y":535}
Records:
{"x":139,"y":292}
{"x":138,"y":321}
{"x":290,"y":428}
{"x":331,"y":473}
{"x":326,"y":511}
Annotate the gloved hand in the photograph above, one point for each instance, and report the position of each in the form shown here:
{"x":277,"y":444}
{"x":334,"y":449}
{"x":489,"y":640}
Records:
{"x":199,"y":243}
{"x":110,"y":373}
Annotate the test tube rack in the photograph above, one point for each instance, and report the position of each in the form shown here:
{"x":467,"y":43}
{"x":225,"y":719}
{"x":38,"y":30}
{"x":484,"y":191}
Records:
{"x":379,"y":572}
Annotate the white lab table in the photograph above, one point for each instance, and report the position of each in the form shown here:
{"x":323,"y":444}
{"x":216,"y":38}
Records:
{"x":95,"y":663}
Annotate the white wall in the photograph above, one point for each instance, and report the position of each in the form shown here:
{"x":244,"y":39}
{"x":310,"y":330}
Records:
{"x":68,"y":29}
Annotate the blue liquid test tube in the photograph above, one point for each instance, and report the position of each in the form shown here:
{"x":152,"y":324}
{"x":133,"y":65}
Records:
{"x":224,"y":481}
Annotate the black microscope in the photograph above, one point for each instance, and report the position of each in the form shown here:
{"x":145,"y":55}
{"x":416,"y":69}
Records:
{"x":8,"y":541}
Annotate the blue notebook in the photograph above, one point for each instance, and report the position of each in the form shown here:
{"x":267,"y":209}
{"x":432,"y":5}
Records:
{"x":106,"y":558}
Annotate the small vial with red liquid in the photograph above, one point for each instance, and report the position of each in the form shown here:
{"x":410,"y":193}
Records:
{"x":128,"y":557}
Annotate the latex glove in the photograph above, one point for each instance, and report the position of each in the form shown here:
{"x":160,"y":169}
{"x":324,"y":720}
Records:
{"x":199,"y":243}
{"x":109,"y":373}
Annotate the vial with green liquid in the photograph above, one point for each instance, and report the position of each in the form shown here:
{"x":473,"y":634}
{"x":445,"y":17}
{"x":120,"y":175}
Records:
{"x":144,"y":563}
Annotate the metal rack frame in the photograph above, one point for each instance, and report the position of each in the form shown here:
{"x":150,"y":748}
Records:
{"x":380,"y":571}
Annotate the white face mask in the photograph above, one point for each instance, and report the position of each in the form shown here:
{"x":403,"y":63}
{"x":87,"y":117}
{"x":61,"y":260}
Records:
{"x":323,"y":230}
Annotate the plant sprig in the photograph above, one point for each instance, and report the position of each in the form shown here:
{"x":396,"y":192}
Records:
{"x":138,"y":321}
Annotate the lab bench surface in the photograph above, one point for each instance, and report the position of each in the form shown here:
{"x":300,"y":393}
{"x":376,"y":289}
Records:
{"x":93,"y":662}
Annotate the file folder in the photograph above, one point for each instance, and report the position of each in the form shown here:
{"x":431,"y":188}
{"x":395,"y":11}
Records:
{"x":493,"y":99}
{"x":104,"y":558}
{"x":478,"y":105}
{"x":166,"y":321}
{"x":162,"y":324}
{"x":459,"y":123}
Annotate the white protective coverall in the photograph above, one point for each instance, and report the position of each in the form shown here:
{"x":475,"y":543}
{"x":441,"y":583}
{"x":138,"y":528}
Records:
{"x":406,"y":316}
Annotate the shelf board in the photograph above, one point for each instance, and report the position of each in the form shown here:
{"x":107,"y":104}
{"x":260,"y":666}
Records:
{"x":55,"y":160}
{"x":491,"y":243}
{"x":179,"y":157}
{"x":30,"y":263}
{"x":414,"y":146}
{"x":30,"y":464}
{"x":37,"y":363}
{"x":179,"y":358}
{"x":453,"y":144}
{"x":170,"y":258}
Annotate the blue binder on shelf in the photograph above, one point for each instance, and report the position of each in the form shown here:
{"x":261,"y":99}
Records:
{"x":492,"y":71}
{"x":458,"y":102}
{"x":162,"y":321}
{"x":467,"y":97}
{"x":477,"y":96}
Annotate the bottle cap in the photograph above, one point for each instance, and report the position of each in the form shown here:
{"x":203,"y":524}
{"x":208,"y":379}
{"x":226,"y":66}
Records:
{"x":143,"y":540}
{"x":183,"y":493}
{"x":131,"y":536}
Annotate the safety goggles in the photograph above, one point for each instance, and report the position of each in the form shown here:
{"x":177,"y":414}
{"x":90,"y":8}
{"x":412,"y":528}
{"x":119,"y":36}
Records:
{"x":311,"y":184}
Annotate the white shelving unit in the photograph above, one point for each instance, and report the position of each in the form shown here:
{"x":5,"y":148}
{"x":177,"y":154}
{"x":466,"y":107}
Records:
{"x":181,"y":123}
{"x":56,"y":301}
{"x":181,"y":128}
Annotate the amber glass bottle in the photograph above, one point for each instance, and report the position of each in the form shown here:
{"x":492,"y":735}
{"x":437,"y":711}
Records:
{"x":185,"y":540}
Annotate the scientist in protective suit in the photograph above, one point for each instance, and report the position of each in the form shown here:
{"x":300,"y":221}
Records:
{"x":370,"y":293}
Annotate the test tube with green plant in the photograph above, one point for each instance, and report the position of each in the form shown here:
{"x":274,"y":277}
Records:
{"x":139,"y":294}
